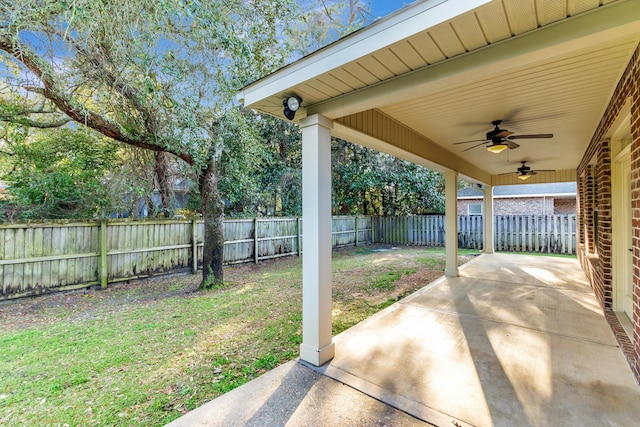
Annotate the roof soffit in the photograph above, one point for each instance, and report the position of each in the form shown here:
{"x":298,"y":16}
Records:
{"x":472,"y":54}
{"x":399,"y":26}
{"x":616,"y":21}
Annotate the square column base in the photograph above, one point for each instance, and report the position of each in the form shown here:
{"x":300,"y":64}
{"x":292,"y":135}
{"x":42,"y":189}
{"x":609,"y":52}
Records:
{"x":317,"y":357}
{"x":451,"y":272}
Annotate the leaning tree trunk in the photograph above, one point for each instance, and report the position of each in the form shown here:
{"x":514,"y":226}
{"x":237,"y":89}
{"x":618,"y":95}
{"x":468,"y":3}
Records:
{"x":161,"y":172}
{"x":213,"y":214}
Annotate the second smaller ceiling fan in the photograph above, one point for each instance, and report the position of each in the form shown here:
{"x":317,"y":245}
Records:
{"x":524,"y":172}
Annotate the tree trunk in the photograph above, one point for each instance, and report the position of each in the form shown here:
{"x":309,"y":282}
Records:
{"x":213,"y":214}
{"x":160,"y":171}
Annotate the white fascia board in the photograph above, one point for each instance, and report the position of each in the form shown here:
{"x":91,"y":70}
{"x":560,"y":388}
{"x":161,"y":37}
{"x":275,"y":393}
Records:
{"x":397,"y":27}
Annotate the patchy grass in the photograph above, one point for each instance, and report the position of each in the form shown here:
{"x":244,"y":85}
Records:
{"x":146,"y":352}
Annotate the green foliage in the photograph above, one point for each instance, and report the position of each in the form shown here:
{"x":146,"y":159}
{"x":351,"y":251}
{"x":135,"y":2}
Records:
{"x":162,"y":81}
{"x":241,"y":159}
{"x":281,"y":179}
{"x":60,"y":174}
{"x":372,"y":183}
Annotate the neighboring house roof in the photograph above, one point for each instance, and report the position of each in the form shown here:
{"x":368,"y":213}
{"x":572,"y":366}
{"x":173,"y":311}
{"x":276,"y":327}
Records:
{"x":559,"y":189}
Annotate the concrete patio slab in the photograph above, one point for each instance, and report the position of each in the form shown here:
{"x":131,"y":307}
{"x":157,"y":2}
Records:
{"x":515,"y":340}
{"x":295,"y":395}
{"x":566,"y":312}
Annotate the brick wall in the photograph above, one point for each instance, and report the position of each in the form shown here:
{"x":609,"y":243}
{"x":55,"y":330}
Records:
{"x":524,"y":206}
{"x":634,"y":91}
{"x":463,"y":205}
{"x":521,"y":206}
{"x":594,"y":180}
{"x":564,"y":206}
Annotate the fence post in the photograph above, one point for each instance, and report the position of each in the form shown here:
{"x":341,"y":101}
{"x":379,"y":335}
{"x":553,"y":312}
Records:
{"x":569,"y":234}
{"x":299,"y":233}
{"x":373,"y":228}
{"x":194,"y":245}
{"x":103,"y":254}
{"x":255,"y":239}
{"x":356,"y":231}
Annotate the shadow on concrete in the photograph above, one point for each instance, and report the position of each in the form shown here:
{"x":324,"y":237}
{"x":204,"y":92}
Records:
{"x":281,"y":404}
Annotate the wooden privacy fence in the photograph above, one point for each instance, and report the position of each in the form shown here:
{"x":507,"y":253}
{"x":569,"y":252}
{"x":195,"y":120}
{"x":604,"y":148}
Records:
{"x":512,"y":233}
{"x":36,"y":258}
{"x":535,"y":233}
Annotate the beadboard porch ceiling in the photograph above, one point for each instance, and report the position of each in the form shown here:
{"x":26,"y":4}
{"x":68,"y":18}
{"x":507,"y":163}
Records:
{"x":443,"y":70}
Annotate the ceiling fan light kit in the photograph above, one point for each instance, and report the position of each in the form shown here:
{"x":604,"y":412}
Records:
{"x":501,"y":139}
{"x":497,"y":148}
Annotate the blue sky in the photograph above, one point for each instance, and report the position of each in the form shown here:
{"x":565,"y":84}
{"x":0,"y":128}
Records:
{"x":382,"y":8}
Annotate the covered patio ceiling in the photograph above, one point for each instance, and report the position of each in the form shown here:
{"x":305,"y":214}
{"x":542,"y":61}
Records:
{"x":440,"y":71}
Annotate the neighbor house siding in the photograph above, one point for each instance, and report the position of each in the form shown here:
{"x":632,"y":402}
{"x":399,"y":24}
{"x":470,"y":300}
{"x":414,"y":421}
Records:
{"x":594,"y":194}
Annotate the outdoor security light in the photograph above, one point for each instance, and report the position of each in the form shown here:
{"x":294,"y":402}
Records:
{"x":291,"y":105}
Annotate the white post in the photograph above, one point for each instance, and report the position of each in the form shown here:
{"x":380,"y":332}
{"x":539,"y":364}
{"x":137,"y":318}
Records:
{"x":317,"y":346}
{"x":488,"y":220}
{"x":451,"y":223}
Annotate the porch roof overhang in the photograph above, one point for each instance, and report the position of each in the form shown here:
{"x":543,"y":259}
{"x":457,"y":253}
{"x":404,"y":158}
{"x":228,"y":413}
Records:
{"x":440,"y":71}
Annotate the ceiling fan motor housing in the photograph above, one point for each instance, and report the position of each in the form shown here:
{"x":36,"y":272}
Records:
{"x":494,"y":133}
{"x":524,"y":169}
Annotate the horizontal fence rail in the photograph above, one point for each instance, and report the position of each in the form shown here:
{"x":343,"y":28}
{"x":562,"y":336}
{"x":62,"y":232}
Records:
{"x":37,"y":258}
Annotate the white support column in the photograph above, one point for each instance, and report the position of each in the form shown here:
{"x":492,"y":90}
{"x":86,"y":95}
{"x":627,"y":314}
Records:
{"x":488,"y":220}
{"x":317,"y":346}
{"x":451,"y":223}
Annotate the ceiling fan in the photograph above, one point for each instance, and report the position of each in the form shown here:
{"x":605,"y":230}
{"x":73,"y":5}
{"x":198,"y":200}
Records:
{"x":524,"y":172}
{"x":499,"y":140}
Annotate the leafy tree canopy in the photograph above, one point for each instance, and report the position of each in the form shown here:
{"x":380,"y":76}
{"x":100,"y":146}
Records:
{"x":154,"y":74}
{"x":59,"y":174}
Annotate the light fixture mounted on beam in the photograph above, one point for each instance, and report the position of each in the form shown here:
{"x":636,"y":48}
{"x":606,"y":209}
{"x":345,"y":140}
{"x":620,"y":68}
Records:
{"x":291,"y":105}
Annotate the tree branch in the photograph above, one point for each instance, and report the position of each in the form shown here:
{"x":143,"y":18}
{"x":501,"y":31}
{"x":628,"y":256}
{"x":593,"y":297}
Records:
{"x":130,"y":93}
{"x":66,"y":104}
{"x":34,"y":123}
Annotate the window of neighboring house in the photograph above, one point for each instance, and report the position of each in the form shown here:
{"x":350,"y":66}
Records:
{"x":475,"y":209}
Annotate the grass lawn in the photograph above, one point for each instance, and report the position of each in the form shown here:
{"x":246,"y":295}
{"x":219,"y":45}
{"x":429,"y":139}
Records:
{"x":146,"y":352}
